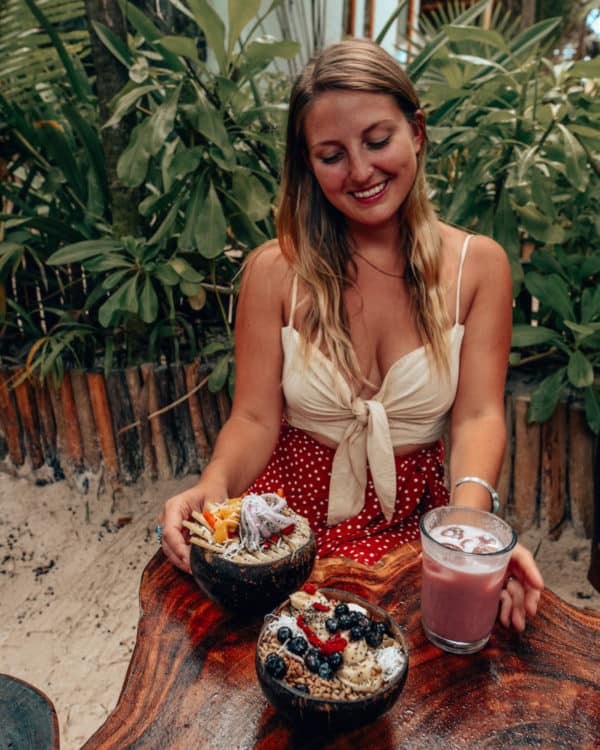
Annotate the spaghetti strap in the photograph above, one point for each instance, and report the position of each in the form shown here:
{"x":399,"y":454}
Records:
{"x":293,"y":301}
{"x":463,"y":253}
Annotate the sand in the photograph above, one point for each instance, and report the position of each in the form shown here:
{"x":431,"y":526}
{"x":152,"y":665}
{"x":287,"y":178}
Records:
{"x":70,"y":567}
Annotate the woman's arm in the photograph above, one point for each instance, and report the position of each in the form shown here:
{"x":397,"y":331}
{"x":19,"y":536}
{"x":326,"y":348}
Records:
{"x":478,"y":427}
{"x":249,"y":436}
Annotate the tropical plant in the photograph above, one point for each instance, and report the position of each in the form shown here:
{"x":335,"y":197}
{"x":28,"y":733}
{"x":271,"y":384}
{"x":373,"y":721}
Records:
{"x":513,"y":144}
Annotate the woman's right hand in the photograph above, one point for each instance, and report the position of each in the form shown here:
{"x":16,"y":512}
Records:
{"x":174,"y":539}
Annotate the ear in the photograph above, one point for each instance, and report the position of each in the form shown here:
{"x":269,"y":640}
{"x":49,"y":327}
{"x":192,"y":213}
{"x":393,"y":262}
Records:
{"x":419,"y":129}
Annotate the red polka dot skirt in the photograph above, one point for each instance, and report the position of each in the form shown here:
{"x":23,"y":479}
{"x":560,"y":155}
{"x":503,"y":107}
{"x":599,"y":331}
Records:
{"x":301,"y":466}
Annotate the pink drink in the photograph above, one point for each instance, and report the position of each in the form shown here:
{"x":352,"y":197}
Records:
{"x":460,"y":601}
{"x":464,"y":564}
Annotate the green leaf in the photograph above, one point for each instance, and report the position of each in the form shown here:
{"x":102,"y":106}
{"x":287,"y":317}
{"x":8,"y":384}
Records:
{"x":161,"y":121}
{"x":580,"y":370}
{"x":213,"y":27}
{"x":115,"y":278}
{"x":539,"y":226}
{"x":213,"y":348}
{"x":250,"y":194}
{"x":133,"y":162}
{"x":124,"y":299}
{"x":217,"y":378}
{"x":260,"y":53}
{"x":205,"y":227}
{"x":582,"y":331}
{"x":546,"y":396}
{"x":126,"y":101}
{"x":185,"y":271}
{"x":546,"y":262}
{"x":166,"y":275}
{"x":459,"y":33}
{"x":185,"y":161}
{"x":552,"y":292}
{"x":591,"y":402}
{"x":148,"y":302}
{"x":526,"y":335}
{"x":575,"y":160}
{"x":113,"y":43}
{"x":590,"y":304}
{"x":182,"y":46}
{"x":240,"y":13}
{"x":80,"y":251}
{"x":506,"y":227}
{"x":209,"y":122}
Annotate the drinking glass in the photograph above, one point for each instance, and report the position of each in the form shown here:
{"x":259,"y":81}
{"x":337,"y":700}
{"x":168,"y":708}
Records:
{"x":465,"y":556}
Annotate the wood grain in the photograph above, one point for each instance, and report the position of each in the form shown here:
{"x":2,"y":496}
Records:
{"x":191,"y":682}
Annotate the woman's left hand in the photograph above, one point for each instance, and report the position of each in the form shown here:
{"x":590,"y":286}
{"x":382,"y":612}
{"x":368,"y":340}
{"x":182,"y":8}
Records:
{"x":523,"y":588}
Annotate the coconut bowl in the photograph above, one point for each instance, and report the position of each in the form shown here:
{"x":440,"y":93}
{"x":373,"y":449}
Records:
{"x":324,"y":714}
{"x":252,"y":587}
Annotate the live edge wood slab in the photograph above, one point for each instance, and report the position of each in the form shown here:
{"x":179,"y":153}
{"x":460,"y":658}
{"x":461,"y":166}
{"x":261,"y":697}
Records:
{"x":191,"y":682}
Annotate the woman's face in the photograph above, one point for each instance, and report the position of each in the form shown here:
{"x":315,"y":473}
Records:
{"x":363,"y":153}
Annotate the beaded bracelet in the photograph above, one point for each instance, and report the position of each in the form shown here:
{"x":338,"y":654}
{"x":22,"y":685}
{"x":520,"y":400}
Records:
{"x":493,"y":494}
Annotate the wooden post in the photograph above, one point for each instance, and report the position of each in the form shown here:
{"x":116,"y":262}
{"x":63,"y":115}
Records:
{"x":70,"y":448}
{"x":526,"y":467}
{"x":11,"y":424}
{"x":581,"y":473}
{"x":210,"y":415}
{"x":181,"y":414}
{"x":87,"y":423}
{"x":223,"y":405}
{"x":553,"y":487}
{"x":46,"y":422}
{"x":29,"y":421}
{"x":192,"y":378}
{"x":126,"y":442}
{"x":104,"y":425}
{"x":138,"y":396}
{"x":594,"y":571}
{"x":159,"y":444}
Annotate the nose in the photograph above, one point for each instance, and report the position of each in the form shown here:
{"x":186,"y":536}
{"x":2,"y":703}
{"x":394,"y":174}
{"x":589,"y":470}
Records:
{"x":360,"y":167}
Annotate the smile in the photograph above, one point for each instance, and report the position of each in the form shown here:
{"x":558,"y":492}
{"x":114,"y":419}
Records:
{"x":371,"y":192}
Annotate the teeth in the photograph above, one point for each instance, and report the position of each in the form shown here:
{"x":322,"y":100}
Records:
{"x":371,"y":191}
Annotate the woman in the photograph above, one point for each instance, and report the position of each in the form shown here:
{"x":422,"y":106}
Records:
{"x":366,"y":324}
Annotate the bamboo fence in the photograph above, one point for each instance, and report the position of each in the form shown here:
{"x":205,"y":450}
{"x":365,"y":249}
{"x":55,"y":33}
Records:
{"x":162,"y":422}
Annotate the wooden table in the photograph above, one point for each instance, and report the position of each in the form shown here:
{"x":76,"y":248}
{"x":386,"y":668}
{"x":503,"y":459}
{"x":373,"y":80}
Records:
{"x":191,"y":683}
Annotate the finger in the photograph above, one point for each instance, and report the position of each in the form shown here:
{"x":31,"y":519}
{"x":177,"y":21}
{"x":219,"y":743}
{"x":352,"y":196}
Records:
{"x":505,"y":608}
{"x":532,"y":599}
{"x":523,"y":566}
{"x":517,"y":595}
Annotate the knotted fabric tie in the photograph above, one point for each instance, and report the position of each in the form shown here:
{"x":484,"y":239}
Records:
{"x":367,"y":438}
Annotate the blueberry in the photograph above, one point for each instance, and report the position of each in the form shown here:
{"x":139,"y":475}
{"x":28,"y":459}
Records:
{"x":297,"y":645}
{"x":356,"y":633}
{"x":332,"y":624}
{"x":275,"y":666}
{"x":373,"y":638}
{"x":345,"y":623}
{"x":283,"y":634}
{"x":354,"y":615}
{"x":363,"y":621}
{"x":379,"y":627}
{"x":301,"y":688}
{"x":335,"y":660}
{"x":325,"y":671}
{"x":313,"y":660}
{"x":341,"y":609}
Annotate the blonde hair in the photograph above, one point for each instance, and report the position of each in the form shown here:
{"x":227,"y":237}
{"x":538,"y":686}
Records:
{"x":313,"y":234}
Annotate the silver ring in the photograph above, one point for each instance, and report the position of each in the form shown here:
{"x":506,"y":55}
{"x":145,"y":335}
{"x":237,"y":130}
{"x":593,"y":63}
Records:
{"x":159,"y":530}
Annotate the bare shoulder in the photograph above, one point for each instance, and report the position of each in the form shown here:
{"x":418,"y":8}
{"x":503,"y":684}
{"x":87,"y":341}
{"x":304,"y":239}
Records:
{"x":485,"y":260}
{"x":266,"y":268}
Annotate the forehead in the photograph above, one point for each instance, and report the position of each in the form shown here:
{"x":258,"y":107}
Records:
{"x":337,"y":114}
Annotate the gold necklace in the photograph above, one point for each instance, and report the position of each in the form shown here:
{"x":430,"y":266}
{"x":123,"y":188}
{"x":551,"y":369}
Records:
{"x":385,"y":273}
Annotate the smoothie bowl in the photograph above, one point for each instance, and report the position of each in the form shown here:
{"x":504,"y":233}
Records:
{"x":250,"y":552}
{"x":329,"y":658}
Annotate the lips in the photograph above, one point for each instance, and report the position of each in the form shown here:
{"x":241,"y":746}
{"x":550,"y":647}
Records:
{"x":370,"y":193}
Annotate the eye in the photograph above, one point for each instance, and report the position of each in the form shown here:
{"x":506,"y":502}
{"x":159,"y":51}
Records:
{"x":374,"y":145}
{"x":331,"y":159}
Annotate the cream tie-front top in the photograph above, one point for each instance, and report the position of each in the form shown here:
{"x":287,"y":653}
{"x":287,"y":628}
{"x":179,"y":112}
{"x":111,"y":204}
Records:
{"x":410,"y":408}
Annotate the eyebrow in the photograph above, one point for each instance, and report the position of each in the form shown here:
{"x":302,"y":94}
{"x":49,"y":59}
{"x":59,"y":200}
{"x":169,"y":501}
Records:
{"x":364,"y":132}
